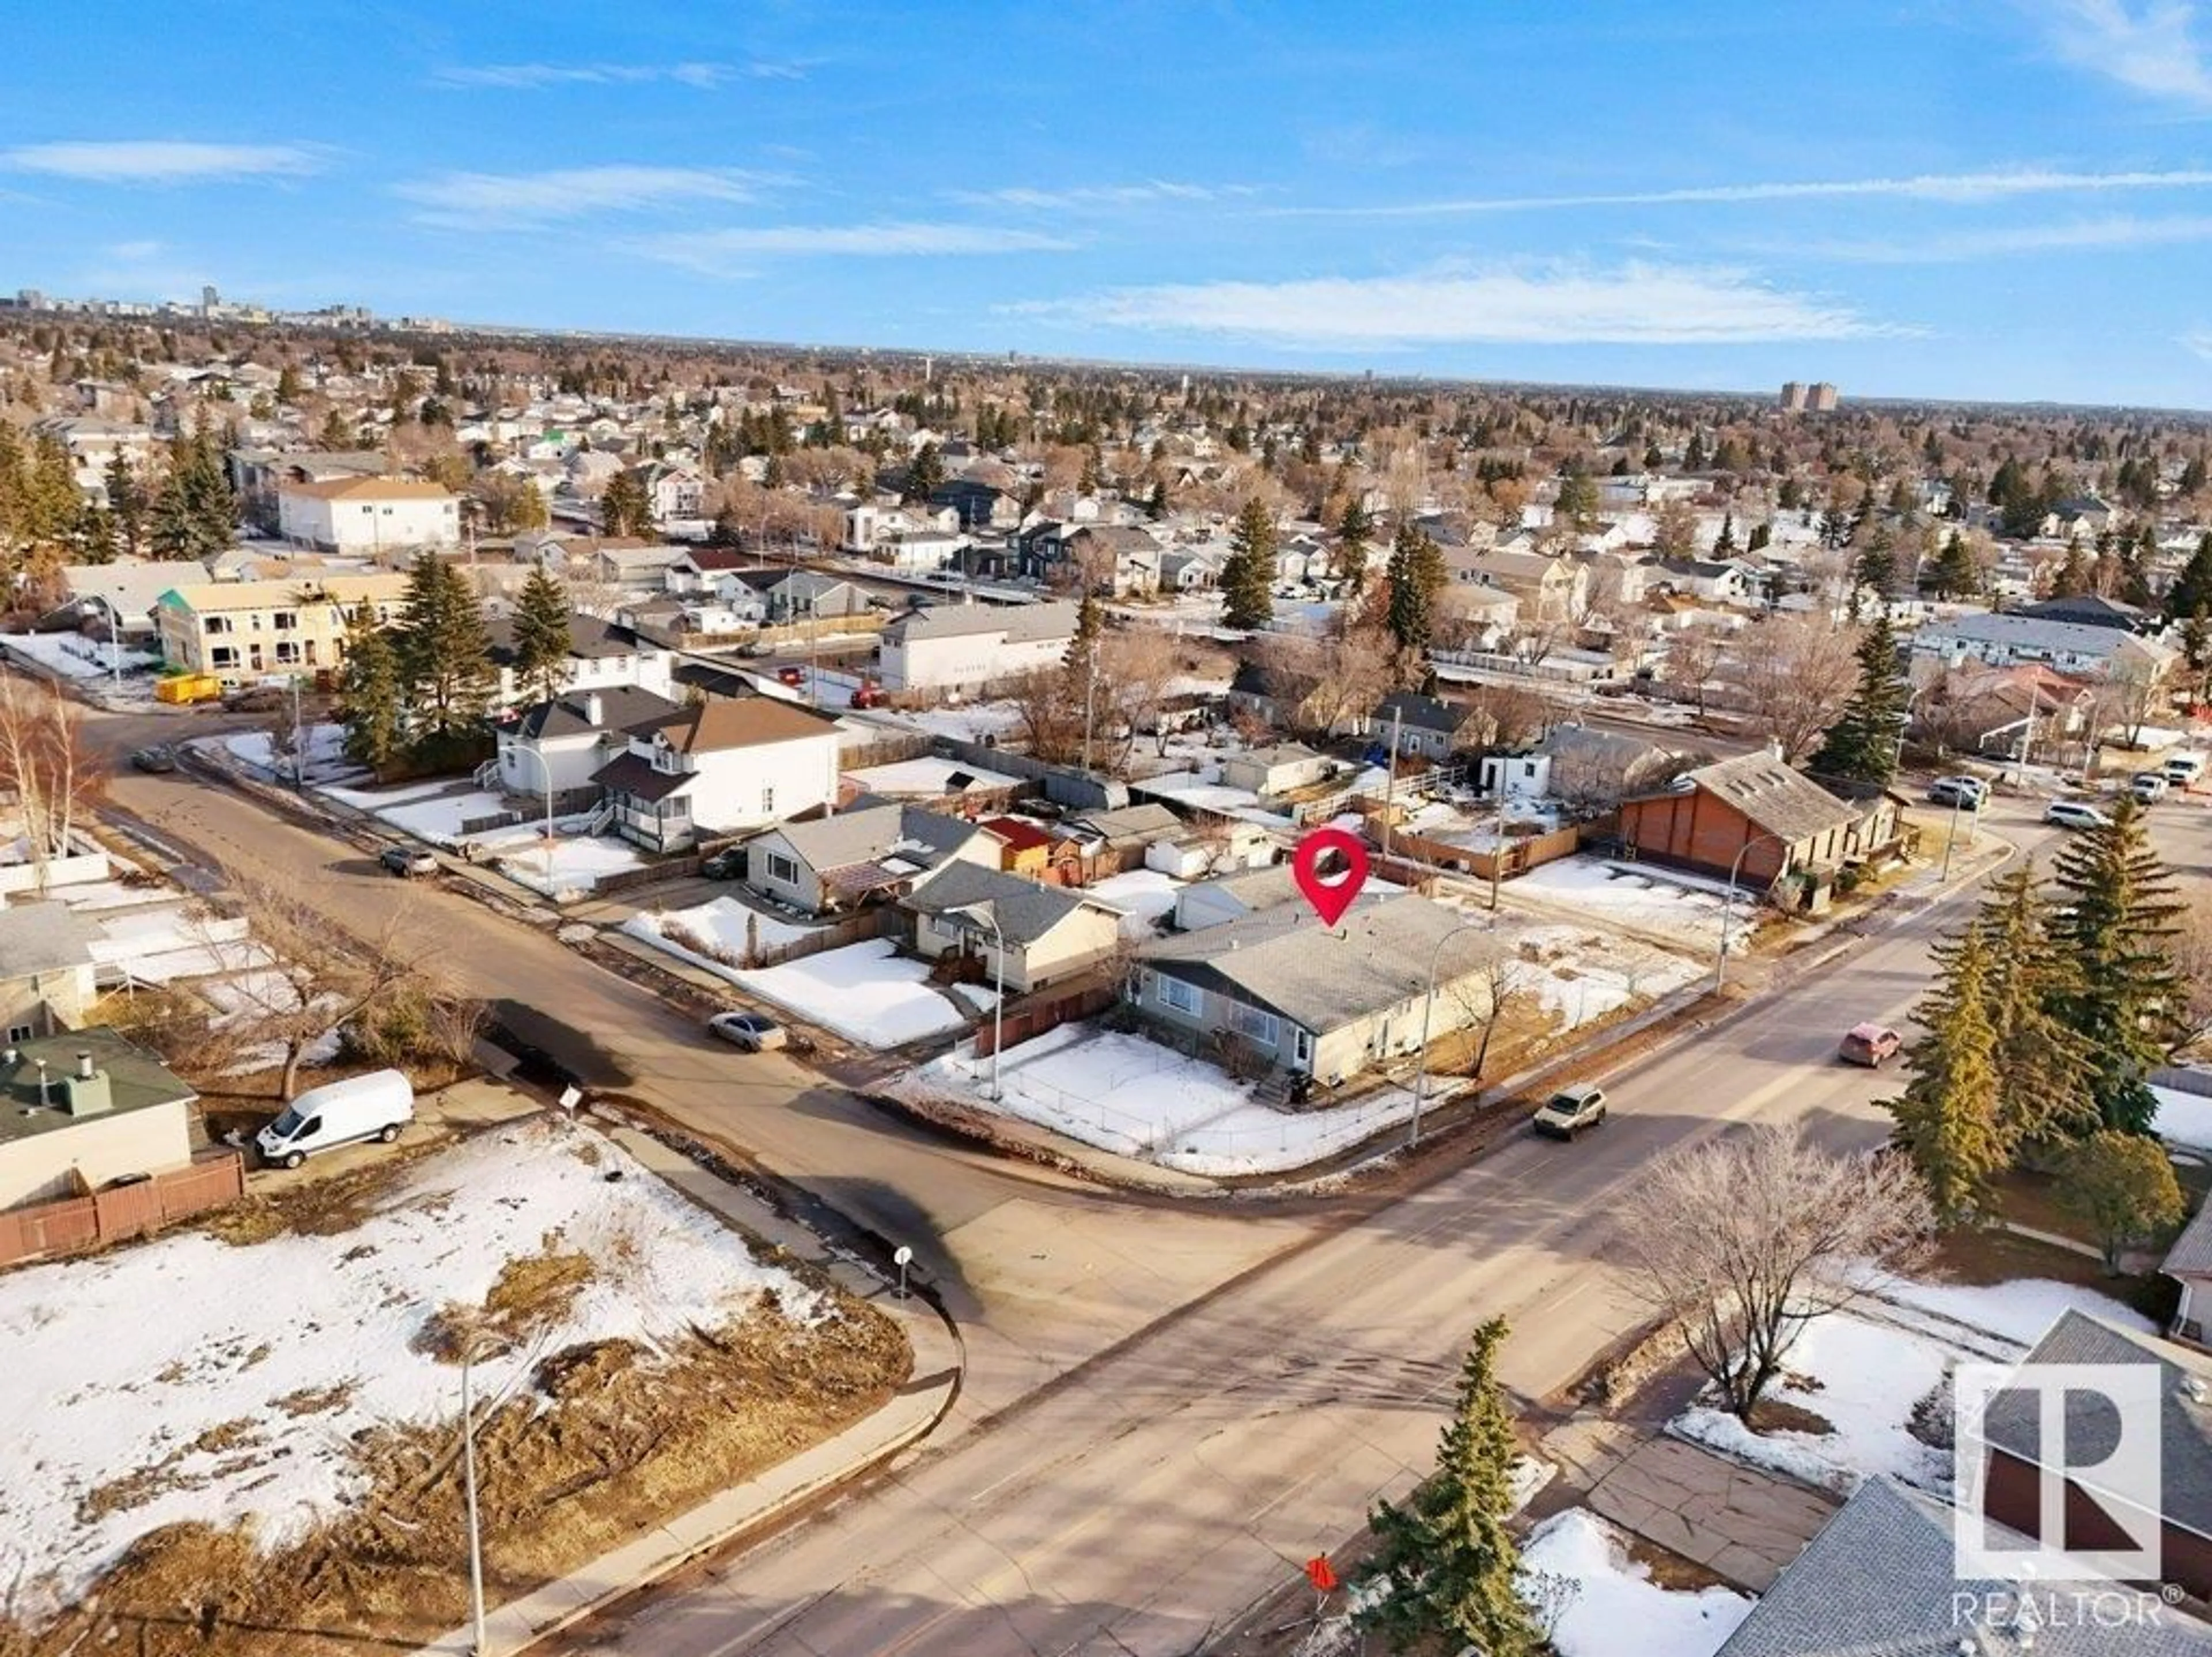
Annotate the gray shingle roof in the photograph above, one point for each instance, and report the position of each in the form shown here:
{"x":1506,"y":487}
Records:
{"x":41,"y":937}
{"x":2024,"y":632}
{"x":1423,"y":713}
{"x":869,"y":833}
{"x":619,"y":708}
{"x":1784,"y":802}
{"x":1325,"y":977}
{"x":1877,"y":1582}
{"x":2192,"y":1250}
{"x":1021,"y":623}
{"x":2185,"y":1425}
{"x":1026,"y":911}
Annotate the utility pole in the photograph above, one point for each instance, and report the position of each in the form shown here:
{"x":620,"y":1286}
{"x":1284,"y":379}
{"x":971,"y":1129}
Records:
{"x":299,"y":739}
{"x":1390,"y":777}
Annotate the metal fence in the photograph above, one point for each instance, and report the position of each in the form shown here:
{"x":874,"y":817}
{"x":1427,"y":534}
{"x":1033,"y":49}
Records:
{"x":75,"y":1222}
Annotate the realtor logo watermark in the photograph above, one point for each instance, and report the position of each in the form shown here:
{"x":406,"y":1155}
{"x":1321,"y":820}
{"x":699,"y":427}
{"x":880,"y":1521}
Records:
{"x":2034,"y":1428}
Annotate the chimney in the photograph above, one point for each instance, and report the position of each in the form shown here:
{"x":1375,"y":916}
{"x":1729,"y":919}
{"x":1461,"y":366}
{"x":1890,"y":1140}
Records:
{"x":88,"y":1093}
{"x":594,"y":708}
{"x":1774,"y":747}
{"x":84,"y":1066}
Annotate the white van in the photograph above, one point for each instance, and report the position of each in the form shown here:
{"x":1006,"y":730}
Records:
{"x":2182,"y":770}
{"x":372,"y":1106}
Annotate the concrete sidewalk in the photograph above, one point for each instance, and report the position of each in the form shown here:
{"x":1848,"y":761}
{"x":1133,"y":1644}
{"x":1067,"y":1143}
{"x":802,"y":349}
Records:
{"x":911,"y":1412}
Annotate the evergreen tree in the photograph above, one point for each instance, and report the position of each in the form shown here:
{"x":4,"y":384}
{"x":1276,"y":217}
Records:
{"x":369,"y":694}
{"x":1949,"y":1121}
{"x":1090,"y":622}
{"x":926,"y":475}
{"x":1875,"y":568}
{"x":1578,"y":500}
{"x":541,"y":637}
{"x":1951,"y":574}
{"x":1355,"y":532}
{"x":1416,"y":574}
{"x":1446,"y":1561}
{"x":2043,"y":1066}
{"x":1247,"y":574}
{"x":1862,"y":745}
{"x":1724,"y":543}
{"x":2074,"y":577}
{"x":336,"y":434}
{"x":1762,"y":537}
{"x":444,"y":658}
{"x":193,"y":514}
{"x":2115,"y":921}
{"x":126,"y":505}
{"x":626,"y":509}
{"x":1156,"y":504}
{"x":2192,"y":588}
{"x":2122,"y":1185}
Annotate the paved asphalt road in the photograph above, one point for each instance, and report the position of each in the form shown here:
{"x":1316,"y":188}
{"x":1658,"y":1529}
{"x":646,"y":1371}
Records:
{"x":1165,"y":1480}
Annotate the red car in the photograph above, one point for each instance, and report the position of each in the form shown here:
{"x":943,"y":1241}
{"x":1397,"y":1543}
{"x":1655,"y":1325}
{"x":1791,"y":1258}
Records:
{"x":1869,"y":1045}
{"x":794,"y":677}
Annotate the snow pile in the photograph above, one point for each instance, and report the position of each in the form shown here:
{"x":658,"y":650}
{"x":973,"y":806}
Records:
{"x":439,"y":820}
{"x":257,"y":750}
{"x":233,"y":1381}
{"x":1144,"y":896}
{"x":72,"y":655}
{"x":863,"y":991}
{"x":1135,"y":1097}
{"x":926,"y":779}
{"x":156,"y":946}
{"x":969,"y":724}
{"x":723,"y":922}
{"x":1613,"y":1595}
{"x":2184,"y":1118}
{"x":1581,"y":978}
{"x":1680,"y":908}
{"x":578,"y":864}
{"x":2016,"y":1313}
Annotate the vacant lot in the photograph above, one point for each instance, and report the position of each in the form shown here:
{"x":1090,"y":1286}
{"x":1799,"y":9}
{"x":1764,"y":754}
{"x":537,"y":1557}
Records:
{"x":245,"y":1440}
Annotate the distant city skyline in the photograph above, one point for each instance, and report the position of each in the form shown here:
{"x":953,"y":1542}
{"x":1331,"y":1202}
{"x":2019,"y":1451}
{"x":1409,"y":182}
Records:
{"x":2000,"y":203}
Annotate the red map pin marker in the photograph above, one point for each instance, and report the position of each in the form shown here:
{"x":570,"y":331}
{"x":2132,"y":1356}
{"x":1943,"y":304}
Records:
{"x":1330,"y":895}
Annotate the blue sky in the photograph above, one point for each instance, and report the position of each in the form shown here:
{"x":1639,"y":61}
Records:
{"x":1995,"y":198}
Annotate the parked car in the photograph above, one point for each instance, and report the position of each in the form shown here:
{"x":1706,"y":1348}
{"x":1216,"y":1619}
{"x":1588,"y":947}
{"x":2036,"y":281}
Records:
{"x":869,"y":695}
{"x":372,"y":1106}
{"x":2183,"y":770}
{"x":160,"y":758}
{"x":1868,"y":1045}
{"x":756,"y":1033}
{"x":1967,"y":793}
{"x":2150,"y":787}
{"x":2074,"y":815}
{"x":794,"y":677}
{"x":728,"y":864}
{"x":407,"y":861}
{"x":752,"y":647}
{"x":1571,"y":1110}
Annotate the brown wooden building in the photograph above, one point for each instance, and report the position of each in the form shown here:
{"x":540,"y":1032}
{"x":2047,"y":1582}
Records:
{"x":1754,"y":817}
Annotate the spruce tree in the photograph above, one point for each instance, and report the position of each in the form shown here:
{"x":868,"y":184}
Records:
{"x":1863,"y":743}
{"x":2073,"y":577}
{"x":1416,"y":574}
{"x":1949,"y":1122}
{"x":1090,"y":622}
{"x":1248,"y":576}
{"x":625,"y":508}
{"x":444,"y":660}
{"x":2115,"y":918}
{"x":1355,"y":531}
{"x":1876,"y":568}
{"x":1953,"y":575}
{"x":1445,"y":1561}
{"x":2043,"y":1066}
{"x":541,"y":637}
{"x":369,"y":694}
{"x":2192,"y":588}
{"x":126,"y":504}
{"x":926,"y":476}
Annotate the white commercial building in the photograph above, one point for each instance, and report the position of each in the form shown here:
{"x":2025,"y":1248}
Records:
{"x":966,"y":647}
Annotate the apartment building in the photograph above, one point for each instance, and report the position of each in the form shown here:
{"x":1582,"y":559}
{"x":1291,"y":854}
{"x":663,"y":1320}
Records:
{"x":240,"y":630}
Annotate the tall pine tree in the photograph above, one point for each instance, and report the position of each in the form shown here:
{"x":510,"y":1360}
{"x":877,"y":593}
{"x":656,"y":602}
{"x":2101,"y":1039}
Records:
{"x":1949,"y":1121}
{"x":1247,"y":574}
{"x":541,"y":639}
{"x":1445,"y":1563}
{"x":444,"y":660}
{"x":1863,"y":744}
{"x":369,"y":694}
{"x":2043,"y":1066}
{"x":1355,"y":532}
{"x":2116,"y":919}
{"x":2192,"y":588}
{"x":1416,"y":574}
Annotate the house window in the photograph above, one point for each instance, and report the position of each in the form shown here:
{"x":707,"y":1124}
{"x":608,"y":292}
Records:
{"x":285,"y":620}
{"x":1174,"y":993}
{"x":215,"y":624}
{"x":287,"y":651}
{"x":783,"y":869}
{"x":1302,"y":1046}
{"x":1261,"y":1028}
{"x":222,"y":655}
{"x":767,"y":800}
{"x":19,"y":1032}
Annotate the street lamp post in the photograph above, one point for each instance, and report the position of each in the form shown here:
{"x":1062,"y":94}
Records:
{"x":1728,"y":903}
{"x":545,"y":770}
{"x":999,"y":990}
{"x":468,"y":1478}
{"x":1428,"y":1011}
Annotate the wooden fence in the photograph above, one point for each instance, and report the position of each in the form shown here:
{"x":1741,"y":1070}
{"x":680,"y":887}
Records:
{"x":106,"y":1216}
{"x":1038,"y":1013}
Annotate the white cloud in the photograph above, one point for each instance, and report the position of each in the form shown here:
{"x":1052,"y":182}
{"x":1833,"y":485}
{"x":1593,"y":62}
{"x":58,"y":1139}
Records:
{"x":2197,"y":341}
{"x":135,"y":250}
{"x":1953,"y":247}
{"x":160,"y":160}
{"x":536,"y":77}
{"x":472,"y":199}
{"x":1949,"y":187}
{"x":723,"y":252}
{"x":1107,"y":195}
{"x":2153,"y":50}
{"x":1557,"y":304}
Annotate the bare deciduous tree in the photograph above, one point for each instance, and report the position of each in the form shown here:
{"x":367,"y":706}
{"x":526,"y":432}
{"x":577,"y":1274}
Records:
{"x":46,"y":767}
{"x":1740,"y":1243}
{"x":1693,"y":657}
{"x":1797,"y":673}
{"x":2191,"y":951}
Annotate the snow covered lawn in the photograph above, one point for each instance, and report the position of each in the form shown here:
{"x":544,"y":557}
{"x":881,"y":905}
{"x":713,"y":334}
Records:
{"x":1144,"y":896}
{"x":2184,"y":1118}
{"x":970,"y":724}
{"x":1680,"y":908}
{"x":577,"y":864}
{"x":1865,"y":1374}
{"x":1614,"y":1606}
{"x":1135,"y":1097}
{"x":72,"y":655}
{"x":232,"y":1381}
{"x":863,"y":991}
{"x":439,"y":820}
{"x":925,"y":778}
{"x":375,"y":799}
{"x":1583,"y":978}
{"x":326,"y":753}
{"x":723,"y":922}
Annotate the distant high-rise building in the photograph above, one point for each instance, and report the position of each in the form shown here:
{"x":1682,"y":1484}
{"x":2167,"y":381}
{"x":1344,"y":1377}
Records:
{"x":1793,"y":397}
{"x":211,"y":301}
{"x":1821,"y":400}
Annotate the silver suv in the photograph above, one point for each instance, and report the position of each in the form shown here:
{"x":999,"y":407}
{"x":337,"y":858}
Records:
{"x":1571,"y":1110}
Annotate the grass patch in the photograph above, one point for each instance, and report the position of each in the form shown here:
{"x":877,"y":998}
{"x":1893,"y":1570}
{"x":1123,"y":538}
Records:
{"x":1779,"y":1415}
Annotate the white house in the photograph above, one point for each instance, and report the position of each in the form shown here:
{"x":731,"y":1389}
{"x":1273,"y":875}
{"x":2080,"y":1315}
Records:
{"x":920,"y":549}
{"x":2006,"y":641}
{"x":602,"y":656}
{"x":867,"y":525}
{"x":1019,"y":932}
{"x":718,"y":767}
{"x":966,"y":647}
{"x":565,"y":743}
{"x":366,"y":516}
